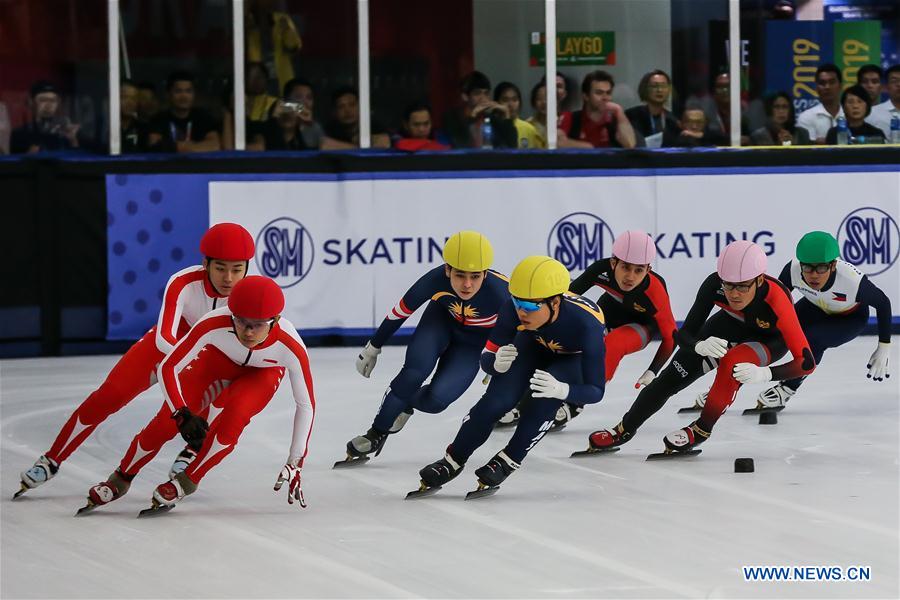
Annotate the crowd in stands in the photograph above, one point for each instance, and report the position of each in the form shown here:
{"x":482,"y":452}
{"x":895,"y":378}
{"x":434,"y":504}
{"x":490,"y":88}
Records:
{"x":485,"y":116}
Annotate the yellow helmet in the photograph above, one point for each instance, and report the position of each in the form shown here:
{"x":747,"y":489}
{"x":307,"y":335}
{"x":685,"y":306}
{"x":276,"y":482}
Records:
{"x":539,"y":277}
{"x":468,"y":251}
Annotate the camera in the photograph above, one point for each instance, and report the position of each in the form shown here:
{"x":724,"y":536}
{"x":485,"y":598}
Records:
{"x":297,"y":107}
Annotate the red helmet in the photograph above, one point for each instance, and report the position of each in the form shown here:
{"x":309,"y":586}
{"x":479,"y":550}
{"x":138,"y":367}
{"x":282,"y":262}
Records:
{"x":256,"y":297}
{"x":227,"y":241}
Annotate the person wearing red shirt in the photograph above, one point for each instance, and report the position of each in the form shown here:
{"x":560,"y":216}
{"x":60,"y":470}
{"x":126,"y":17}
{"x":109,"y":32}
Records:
{"x":601,"y":123}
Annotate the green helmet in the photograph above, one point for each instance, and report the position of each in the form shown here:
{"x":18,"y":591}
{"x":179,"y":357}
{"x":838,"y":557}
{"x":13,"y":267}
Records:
{"x":817,"y":247}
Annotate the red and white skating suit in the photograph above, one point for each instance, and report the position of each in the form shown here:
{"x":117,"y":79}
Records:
{"x":188,"y":296}
{"x":215,"y":376}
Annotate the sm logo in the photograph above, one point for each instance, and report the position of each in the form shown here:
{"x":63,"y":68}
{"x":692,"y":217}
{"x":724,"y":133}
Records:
{"x":869,"y":240}
{"x":578,"y":239}
{"x":284,"y":251}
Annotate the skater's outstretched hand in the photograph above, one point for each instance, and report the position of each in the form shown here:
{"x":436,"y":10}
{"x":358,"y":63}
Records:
{"x":878,"y":362}
{"x":644,"y":379}
{"x":367,"y":358}
{"x":291,"y":473}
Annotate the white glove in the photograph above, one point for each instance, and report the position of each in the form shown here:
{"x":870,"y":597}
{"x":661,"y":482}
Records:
{"x":712,"y":347}
{"x":504,"y":358}
{"x":878,"y":362}
{"x":291,"y":473}
{"x":750,"y":373}
{"x":367,"y":358}
{"x":644,"y":379}
{"x":545,"y":385}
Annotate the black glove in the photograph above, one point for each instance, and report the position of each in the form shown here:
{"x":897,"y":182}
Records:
{"x":192,"y":428}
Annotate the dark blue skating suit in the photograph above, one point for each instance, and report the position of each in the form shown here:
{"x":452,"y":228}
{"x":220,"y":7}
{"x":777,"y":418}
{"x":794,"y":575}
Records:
{"x":572,"y":349}
{"x":452,"y":330}
{"x":837,"y":313}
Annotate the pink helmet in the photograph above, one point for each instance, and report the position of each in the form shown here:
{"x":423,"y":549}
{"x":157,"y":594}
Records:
{"x":635,"y":247}
{"x":741,"y":261}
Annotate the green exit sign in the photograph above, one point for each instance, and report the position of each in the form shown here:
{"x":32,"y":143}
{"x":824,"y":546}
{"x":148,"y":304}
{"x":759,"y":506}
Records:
{"x":575,"y":48}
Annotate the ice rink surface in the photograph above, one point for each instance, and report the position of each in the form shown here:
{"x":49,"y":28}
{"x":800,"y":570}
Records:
{"x":825,"y":493}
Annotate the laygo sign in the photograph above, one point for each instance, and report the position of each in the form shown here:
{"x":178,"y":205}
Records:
{"x":575,"y":48}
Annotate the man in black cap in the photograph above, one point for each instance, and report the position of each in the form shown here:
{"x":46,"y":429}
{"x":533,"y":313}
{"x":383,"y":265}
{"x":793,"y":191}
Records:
{"x":48,"y":130}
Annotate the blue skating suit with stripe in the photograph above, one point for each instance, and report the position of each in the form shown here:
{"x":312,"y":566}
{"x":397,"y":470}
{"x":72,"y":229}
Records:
{"x":450,"y":335}
{"x":572,"y":349}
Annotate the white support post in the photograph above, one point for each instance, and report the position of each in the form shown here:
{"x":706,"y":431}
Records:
{"x":365,"y":116}
{"x":237,"y":28}
{"x":550,"y":64}
{"x":115,"y":116}
{"x":734,"y":68}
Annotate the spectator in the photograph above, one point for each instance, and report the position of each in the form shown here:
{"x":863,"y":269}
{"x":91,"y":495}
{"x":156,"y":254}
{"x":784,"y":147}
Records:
{"x":258,"y":103}
{"x":562,"y":91}
{"x":48,"y":130}
{"x":780,"y":128}
{"x":822,"y":117}
{"x":342,"y":131}
{"x":417,"y":129}
{"x":720,"y":120}
{"x":694,"y":131}
{"x":271,"y":39}
{"x":869,"y":76}
{"x":601,"y":123}
{"x":254,"y":133}
{"x":133,"y":131}
{"x":889,"y":109}
{"x":857,"y":104}
{"x":148,"y":101}
{"x":651,"y":118}
{"x":538,"y":118}
{"x":183,"y":127}
{"x":300,"y":91}
{"x":508,"y":94}
{"x":282,"y":131}
{"x":462,"y":125}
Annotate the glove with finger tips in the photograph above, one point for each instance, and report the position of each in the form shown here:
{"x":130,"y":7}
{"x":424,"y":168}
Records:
{"x":367,"y":358}
{"x":504,"y":358}
{"x":290,"y":473}
{"x":712,"y":347}
{"x":545,"y":385}
{"x":644,"y":379}
{"x":878,"y":362}
{"x":750,"y":373}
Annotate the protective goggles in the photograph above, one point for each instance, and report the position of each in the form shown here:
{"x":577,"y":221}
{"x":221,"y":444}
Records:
{"x":741,"y":287}
{"x":820,"y":268}
{"x":252,"y":324}
{"x":526,"y":305}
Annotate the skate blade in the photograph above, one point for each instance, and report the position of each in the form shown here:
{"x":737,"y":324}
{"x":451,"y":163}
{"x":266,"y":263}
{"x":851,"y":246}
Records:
{"x":757,"y":410}
{"x":423,"y":492}
{"x":350,"y":462}
{"x":21,"y":491}
{"x":673,"y":454}
{"x":90,"y":506}
{"x":483,"y":491}
{"x":155,"y":510}
{"x":591,"y":452}
{"x":690,"y":409}
{"x":556,"y":428}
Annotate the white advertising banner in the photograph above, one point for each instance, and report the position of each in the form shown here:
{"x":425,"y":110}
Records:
{"x":345,"y":251}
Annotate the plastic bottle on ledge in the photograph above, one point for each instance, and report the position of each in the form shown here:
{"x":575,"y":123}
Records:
{"x":487,"y":134}
{"x":843,"y":133}
{"x":895,"y":130}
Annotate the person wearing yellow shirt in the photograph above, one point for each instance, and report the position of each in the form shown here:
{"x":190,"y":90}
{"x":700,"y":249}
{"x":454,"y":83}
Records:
{"x":271,"y":38}
{"x":508,"y":94}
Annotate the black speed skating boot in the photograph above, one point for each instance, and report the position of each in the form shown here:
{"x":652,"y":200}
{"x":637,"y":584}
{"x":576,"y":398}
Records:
{"x":370,"y":442}
{"x":439,"y":473}
{"x":496,"y":470}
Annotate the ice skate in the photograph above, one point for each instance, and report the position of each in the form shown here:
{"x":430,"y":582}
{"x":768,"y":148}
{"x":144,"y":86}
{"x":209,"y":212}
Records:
{"x":491,"y":475}
{"x":43,"y":470}
{"x":773,"y":399}
{"x":182,"y":461}
{"x":435,"y":476}
{"x":605,"y":440}
{"x":699,"y":403}
{"x":360,"y":447}
{"x":105,"y":492}
{"x":564,"y":414}
{"x":682,"y":442}
{"x":510,"y":418}
{"x":168,"y":494}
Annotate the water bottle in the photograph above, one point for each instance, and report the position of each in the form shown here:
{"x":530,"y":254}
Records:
{"x":843,"y":133}
{"x":895,"y":129}
{"x":487,"y":134}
